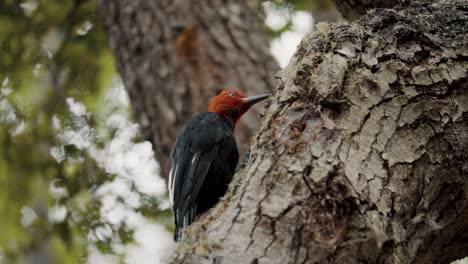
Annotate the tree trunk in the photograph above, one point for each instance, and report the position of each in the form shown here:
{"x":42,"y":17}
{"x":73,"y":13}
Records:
{"x":363,"y":152}
{"x":174,"y":56}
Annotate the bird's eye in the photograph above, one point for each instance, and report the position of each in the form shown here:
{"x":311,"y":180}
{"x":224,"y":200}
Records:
{"x":232,"y":94}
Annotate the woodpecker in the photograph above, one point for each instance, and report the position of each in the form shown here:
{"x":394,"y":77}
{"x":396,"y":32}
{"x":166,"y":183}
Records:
{"x":205,"y":156}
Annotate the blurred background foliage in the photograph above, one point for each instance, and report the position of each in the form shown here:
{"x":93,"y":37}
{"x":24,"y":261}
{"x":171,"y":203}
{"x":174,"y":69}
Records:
{"x":62,"y":112}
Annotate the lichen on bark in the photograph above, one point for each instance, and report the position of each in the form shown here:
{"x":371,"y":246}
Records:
{"x":362,"y":154}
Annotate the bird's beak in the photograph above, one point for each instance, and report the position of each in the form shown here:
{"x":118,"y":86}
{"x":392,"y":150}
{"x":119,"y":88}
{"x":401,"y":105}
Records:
{"x":251,"y":100}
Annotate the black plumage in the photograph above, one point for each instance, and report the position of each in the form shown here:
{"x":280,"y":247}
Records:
{"x":203,"y":161}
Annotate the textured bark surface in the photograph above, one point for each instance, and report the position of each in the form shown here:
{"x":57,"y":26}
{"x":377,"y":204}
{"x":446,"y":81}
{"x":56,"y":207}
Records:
{"x":174,"y":56}
{"x":353,"y":9}
{"x":363,"y":152}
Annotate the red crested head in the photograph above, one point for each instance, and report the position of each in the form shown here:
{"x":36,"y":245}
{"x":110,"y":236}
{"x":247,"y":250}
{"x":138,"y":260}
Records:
{"x":233,"y":104}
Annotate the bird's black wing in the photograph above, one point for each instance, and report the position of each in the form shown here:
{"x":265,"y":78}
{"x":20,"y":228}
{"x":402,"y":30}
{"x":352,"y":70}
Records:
{"x":196,"y":148}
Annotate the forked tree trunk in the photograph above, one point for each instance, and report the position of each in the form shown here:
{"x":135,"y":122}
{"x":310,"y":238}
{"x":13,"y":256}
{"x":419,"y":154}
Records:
{"x":175,"y":55}
{"x":363,"y":152}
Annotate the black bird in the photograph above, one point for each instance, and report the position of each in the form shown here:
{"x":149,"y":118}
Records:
{"x":204,"y":157}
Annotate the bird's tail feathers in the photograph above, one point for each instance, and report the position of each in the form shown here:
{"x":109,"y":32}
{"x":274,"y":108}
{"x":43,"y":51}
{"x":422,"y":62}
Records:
{"x":183,"y":220}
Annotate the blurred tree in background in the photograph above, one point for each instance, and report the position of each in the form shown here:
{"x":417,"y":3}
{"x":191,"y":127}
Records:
{"x":65,"y":138}
{"x":53,"y":57}
{"x":48,"y":54}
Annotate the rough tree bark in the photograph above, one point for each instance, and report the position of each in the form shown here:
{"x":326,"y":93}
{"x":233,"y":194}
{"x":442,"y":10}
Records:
{"x":353,"y":9}
{"x":363,"y":152}
{"x":174,"y":56}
